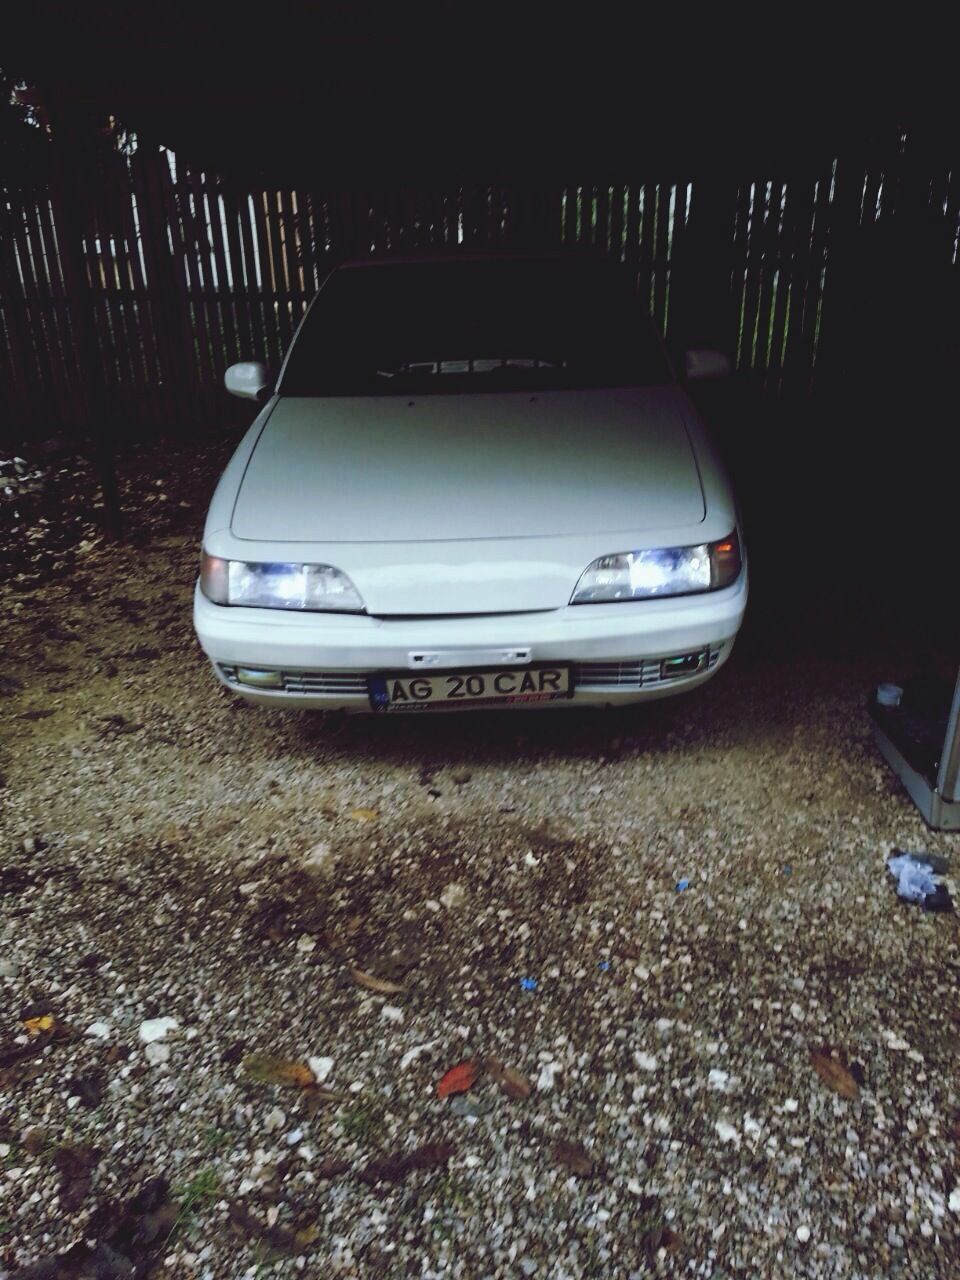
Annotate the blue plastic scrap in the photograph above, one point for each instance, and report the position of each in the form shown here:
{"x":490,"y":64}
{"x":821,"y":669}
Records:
{"x":528,"y":984}
{"x":915,"y":875}
{"x":604,"y":965}
{"x":682,"y":884}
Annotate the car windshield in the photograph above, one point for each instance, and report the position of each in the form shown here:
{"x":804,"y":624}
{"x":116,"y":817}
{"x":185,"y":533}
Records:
{"x":469,"y":326}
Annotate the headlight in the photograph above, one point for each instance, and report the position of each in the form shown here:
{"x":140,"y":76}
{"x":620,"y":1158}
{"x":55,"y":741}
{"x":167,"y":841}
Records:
{"x":665,"y":571}
{"x":310,"y":587}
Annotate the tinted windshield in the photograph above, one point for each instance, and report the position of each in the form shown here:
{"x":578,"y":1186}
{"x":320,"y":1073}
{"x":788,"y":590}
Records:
{"x":400,"y":328}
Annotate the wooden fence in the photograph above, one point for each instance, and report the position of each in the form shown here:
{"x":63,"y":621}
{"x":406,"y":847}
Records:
{"x":125,"y":291}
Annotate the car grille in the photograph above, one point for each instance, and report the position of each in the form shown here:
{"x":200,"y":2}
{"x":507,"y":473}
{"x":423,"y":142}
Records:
{"x":630,"y":673}
{"x":344,"y":683}
{"x":638,"y":673}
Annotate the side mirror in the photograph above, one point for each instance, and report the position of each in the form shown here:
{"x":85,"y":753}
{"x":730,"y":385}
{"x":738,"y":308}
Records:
{"x":250,"y":380}
{"x":703,"y":363}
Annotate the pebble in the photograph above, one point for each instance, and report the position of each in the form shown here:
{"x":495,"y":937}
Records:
{"x":156,"y":1029}
{"x":8,"y":967}
{"x":547,"y":1077}
{"x":157,"y":1054}
{"x":726,"y":1132}
{"x":321,"y":1068}
{"x":306,"y":944}
{"x":803,"y":1234}
{"x":98,"y":1031}
{"x":645,"y":1061}
{"x":390,"y":1013}
{"x":274,"y":1120}
{"x":453,"y":896}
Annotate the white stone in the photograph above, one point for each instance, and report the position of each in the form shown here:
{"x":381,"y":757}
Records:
{"x":718,"y":1080}
{"x":645,"y":1061}
{"x":791,"y":1105}
{"x":157,"y":1054}
{"x":453,"y":896}
{"x":803,"y":1234}
{"x":8,"y":967}
{"x":529,"y":860}
{"x":294,"y":1136}
{"x":318,"y":856}
{"x":547,"y":1077}
{"x":726,"y":1132}
{"x":954,"y":1202}
{"x":157,"y":1028}
{"x":321,"y":1068}
{"x":274,"y":1119}
{"x":390,"y":1013}
{"x":413,"y":1054}
{"x":98,"y":1031}
{"x":306,"y":944}
{"x":894,"y":1041}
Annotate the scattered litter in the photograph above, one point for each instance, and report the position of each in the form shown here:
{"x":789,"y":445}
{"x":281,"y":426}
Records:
{"x":306,"y":944}
{"x":528,"y":984}
{"x":530,"y":860}
{"x":645,"y":1061}
{"x":916,"y":879}
{"x":38,"y":1026}
{"x":459,"y":1079}
{"x":382,"y":986}
{"x":718,"y":1080}
{"x":293,"y":1137}
{"x":513,"y":1084}
{"x":266,"y":1069}
{"x":682,"y":884}
{"x":574,"y":1157}
{"x":604,"y":965}
{"x":157,"y":1029}
{"x":364,"y":815}
{"x":453,"y":896}
{"x":803,"y":1234}
{"x":954,"y":1201}
{"x":390,"y":1013}
{"x":791,"y":1105}
{"x":431,"y":1155}
{"x":834,"y":1074}
{"x":321,"y":1068}
{"x":895,"y":1042}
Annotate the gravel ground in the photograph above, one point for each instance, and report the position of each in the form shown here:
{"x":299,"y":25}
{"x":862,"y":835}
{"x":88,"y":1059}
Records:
{"x":510,"y":883}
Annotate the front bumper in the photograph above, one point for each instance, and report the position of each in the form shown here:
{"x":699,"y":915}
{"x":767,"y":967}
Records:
{"x":615,"y":650}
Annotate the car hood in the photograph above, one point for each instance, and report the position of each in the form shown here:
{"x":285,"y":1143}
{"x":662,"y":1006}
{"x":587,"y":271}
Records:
{"x":384,"y":469}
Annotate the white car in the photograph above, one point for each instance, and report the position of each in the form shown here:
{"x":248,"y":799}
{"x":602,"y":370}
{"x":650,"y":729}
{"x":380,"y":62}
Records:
{"x":476,"y":482}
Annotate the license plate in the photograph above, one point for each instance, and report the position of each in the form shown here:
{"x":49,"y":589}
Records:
{"x":456,"y":690}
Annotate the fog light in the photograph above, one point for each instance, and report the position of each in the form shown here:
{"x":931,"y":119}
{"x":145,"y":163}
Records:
{"x":687,"y":664}
{"x":260,"y":679}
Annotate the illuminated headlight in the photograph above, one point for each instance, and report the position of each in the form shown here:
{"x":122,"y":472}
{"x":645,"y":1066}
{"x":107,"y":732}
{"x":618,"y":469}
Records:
{"x":317,"y":588}
{"x":664,"y":571}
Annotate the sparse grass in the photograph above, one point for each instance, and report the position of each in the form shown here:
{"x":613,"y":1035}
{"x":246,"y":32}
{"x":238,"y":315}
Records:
{"x":193,"y":1196}
{"x":360,"y":1121}
{"x":213,"y":1140}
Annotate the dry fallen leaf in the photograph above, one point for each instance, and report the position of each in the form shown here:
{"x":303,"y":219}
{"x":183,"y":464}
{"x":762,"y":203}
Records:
{"x":364,"y":815}
{"x":37,"y":1026}
{"x":513,"y":1084}
{"x":382,"y":986}
{"x":833,"y":1073}
{"x":266,"y":1069}
{"x":573,"y":1156}
{"x":431,"y":1155}
{"x":459,"y":1078}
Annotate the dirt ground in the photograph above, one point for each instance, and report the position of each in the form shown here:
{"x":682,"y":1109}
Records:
{"x":754,"y":1075}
